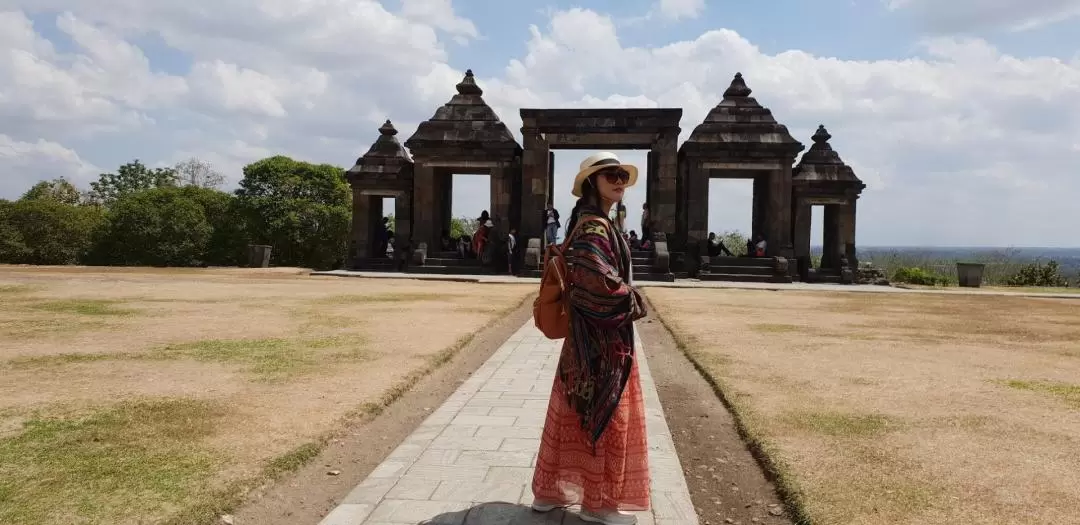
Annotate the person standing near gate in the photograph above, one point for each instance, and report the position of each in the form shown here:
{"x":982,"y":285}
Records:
{"x":551,"y":224}
{"x":646,"y":223}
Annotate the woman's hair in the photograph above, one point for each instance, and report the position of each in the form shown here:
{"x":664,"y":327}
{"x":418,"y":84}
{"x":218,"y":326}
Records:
{"x":590,"y":196}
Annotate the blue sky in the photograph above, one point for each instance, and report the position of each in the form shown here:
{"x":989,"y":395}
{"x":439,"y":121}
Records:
{"x":960,"y":117}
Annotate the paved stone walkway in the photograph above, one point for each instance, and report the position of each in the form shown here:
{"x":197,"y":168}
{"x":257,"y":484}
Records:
{"x":479,"y":448}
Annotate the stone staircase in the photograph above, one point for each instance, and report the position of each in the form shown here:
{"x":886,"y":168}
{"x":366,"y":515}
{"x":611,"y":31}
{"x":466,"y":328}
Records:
{"x":450,"y":263}
{"x":643,"y":270}
{"x":375,"y":264}
{"x":745,"y":270}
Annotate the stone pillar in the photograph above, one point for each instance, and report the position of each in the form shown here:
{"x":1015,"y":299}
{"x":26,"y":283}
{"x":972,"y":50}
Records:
{"x":424,"y":205}
{"x":403,"y":219}
{"x":758,"y":211}
{"x":846,"y":233}
{"x":697,"y":204}
{"x":375,"y":217}
{"x":777,"y":227}
{"x":501,"y":191}
{"x":551,"y":189}
{"x":359,"y":239}
{"x":444,"y":193}
{"x":803,"y":220}
{"x":832,"y":244}
{"x":678,"y":242}
{"x":663,"y":198}
{"x":535,"y":179}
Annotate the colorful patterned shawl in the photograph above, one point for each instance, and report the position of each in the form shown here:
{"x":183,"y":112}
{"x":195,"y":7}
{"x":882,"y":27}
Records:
{"x":603,"y":307}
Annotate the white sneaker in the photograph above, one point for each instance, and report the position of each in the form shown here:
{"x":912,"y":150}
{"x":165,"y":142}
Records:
{"x":540,"y":505}
{"x":608,"y":517}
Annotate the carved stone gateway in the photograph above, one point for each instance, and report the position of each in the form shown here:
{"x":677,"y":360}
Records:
{"x":384,"y":171}
{"x":465,"y":136}
{"x":738,"y":139}
{"x":821,"y":178}
{"x":656,"y":130}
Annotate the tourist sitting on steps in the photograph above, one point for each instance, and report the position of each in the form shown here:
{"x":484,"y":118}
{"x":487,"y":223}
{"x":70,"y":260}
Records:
{"x":635,"y":243}
{"x":596,"y":414}
{"x":759,"y":246}
{"x":717,"y":247}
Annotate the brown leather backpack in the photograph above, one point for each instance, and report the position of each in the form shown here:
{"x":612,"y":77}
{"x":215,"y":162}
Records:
{"x":551,"y":306}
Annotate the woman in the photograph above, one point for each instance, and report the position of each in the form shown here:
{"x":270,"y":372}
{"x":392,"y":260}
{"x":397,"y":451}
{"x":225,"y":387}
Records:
{"x":593,"y":451}
{"x":479,"y":240}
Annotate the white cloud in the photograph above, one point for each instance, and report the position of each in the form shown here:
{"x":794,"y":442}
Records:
{"x":965,"y":146}
{"x":677,"y":9}
{"x":21,"y":162}
{"x":959,"y":16}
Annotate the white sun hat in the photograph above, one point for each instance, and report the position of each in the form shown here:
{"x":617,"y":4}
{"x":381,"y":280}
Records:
{"x":597,"y":162}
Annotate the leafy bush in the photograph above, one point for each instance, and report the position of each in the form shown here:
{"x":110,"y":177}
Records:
{"x":1038,"y":275}
{"x":918,"y":276}
{"x":47,"y":231}
{"x":168,"y":226}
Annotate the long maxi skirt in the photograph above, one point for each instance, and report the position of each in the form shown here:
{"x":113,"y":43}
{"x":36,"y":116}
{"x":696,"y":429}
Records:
{"x":616,"y":477}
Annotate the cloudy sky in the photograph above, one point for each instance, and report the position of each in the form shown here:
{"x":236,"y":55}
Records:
{"x":963,"y":117}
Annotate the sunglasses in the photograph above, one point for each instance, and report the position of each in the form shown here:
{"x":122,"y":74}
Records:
{"x":616,"y":176}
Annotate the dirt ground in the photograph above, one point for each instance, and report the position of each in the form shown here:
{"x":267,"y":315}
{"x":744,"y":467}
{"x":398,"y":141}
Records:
{"x":274,"y":360}
{"x":726,"y":482}
{"x":898,"y":409}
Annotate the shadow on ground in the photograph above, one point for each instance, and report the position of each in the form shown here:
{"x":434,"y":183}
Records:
{"x":499,"y":513}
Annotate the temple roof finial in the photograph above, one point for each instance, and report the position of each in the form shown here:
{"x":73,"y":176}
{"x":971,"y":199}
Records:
{"x":468,"y":86}
{"x":738,"y":87}
{"x":388,"y":129}
{"x":821,"y":136}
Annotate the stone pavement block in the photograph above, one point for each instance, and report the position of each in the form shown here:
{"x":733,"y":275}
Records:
{"x":497,"y":402}
{"x":454,"y":491}
{"x":414,"y":488}
{"x":459,"y":431}
{"x":389,"y":469}
{"x":448,"y":473}
{"x":507,"y":432}
{"x":495,"y":459}
{"x":371,"y":490}
{"x":514,"y":475}
{"x":413,"y":512}
{"x":520,"y":445}
{"x":674,"y":506}
{"x":476,"y":442}
{"x":348,"y":514}
{"x":474,"y":410}
{"x":490,"y":421}
{"x":438,"y":457}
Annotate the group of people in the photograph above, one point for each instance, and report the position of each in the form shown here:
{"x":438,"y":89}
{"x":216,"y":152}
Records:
{"x":755,"y":246}
{"x":552,"y":225}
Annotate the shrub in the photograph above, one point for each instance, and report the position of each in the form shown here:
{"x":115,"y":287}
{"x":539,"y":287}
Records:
{"x":169,"y":226}
{"x":1038,"y":275}
{"x":918,"y":276}
{"x":47,"y":231}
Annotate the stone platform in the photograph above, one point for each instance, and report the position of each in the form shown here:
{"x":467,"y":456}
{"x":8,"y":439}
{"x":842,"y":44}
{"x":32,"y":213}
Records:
{"x":471,"y":461}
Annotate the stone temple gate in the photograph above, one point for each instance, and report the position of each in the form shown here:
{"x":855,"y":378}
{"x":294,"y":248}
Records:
{"x":739,"y":138}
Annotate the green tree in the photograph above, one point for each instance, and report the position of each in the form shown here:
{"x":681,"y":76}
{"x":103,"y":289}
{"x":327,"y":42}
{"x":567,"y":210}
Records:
{"x":59,"y":190}
{"x":165,"y":226}
{"x":462,"y":226}
{"x":735,"y":241}
{"x":46,"y":231}
{"x":300,"y":209}
{"x":130,"y":178}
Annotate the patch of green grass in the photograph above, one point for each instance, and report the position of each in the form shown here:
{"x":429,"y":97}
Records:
{"x":839,"y":424}
{"x":269,"y":359}
{"x":90,"y":307}
{"x":15,"y":289}
{"x":21,"y":329}
{"x":773,"y":328}
{"x":1070,"y":394}
{"x":293,"y":459}
{"x":135,"y":460}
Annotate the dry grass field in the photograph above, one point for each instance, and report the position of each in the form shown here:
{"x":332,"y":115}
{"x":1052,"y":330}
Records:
{"x":153,"y":396}
{"x":896,"y":408}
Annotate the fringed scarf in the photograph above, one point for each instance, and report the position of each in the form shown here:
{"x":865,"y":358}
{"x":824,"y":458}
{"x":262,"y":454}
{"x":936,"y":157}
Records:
{"x":601,"y":323}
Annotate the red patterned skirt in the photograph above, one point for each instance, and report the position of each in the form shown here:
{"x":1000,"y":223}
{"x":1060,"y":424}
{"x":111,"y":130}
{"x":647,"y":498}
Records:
{"x":616,"y":477}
